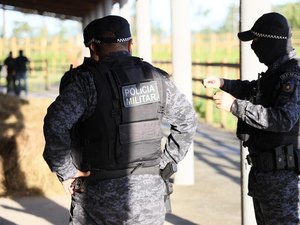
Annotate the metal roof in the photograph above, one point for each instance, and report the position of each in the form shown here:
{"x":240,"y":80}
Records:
{"x":64,"y":9}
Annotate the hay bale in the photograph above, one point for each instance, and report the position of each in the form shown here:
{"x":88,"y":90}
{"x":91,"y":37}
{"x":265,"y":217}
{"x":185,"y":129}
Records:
{"x":23,"y":170}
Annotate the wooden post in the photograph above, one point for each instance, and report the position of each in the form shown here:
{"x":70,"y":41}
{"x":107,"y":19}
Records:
{"x":209,"y":104}
{"x":45,"y":69}
{"x":250,"y":66}
{"x":224,"y":73}
{"x":182,"y":70}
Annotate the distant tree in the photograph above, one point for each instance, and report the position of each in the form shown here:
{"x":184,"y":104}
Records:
{"x":22,"y":30}
{"x":290,"y":11}
{"x":156,"y":29}
{"x":201,"y":13}
{"x":42,"y":31}
{"x":67,"y":29}
{"x":231,"y":23}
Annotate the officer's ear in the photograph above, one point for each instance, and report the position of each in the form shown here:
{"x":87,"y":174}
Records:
{"x":93,"y":51}
{"x":129,"y":46}
{"x":93,"y":48}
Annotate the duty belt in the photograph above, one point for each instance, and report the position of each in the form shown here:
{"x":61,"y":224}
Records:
{"x":112,"y":174}
{"x":280,"y":158}
{"x":80,"y":183}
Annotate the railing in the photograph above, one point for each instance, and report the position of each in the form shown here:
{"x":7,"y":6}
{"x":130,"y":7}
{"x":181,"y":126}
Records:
{"x":202,"y":96}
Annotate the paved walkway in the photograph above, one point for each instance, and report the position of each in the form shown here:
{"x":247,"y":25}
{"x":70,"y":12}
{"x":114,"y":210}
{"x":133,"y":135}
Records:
{"x":213,"y":200}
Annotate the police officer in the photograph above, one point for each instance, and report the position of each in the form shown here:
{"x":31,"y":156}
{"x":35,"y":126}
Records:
{"x":9,"y":63}
{"x":21,"y":65}
{"x":268,"y":111}
{"x":103,"y":132}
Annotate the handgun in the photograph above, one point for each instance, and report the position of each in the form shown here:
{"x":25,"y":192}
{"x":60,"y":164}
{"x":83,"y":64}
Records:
{"x":168,"y":171}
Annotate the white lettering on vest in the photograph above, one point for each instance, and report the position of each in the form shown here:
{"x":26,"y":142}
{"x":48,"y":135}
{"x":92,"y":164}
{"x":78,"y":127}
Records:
{"x":140,"y":94}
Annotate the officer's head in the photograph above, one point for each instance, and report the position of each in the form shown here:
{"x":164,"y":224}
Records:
{"x":108,"y":34}
{"x":271,"y":37}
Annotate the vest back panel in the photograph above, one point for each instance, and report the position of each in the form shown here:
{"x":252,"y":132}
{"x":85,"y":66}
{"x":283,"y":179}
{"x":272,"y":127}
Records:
{"x":124,"y":130}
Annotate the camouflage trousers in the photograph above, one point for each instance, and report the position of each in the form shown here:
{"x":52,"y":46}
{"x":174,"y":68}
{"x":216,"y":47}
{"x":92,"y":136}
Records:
{"x":275,"y":197}
{"x":132,"y":200}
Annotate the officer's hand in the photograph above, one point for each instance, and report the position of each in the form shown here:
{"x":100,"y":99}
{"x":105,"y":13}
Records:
{"x":223,"y":100}
{"x":213,"y":82}
{"x":69,"y":184}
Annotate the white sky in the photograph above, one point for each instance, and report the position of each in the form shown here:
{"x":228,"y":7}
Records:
{"x":217,"y":11}
{"x":160,"y":11}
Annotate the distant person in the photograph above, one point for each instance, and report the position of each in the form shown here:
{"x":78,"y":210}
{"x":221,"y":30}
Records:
{"x":10,"y":77}
{"x":21,"y":67}
{"x":268,"y":112}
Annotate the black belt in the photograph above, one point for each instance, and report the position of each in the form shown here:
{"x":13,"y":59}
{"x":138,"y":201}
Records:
{"x":112,"y":174}
{"x":280,"y":158}
{"x":262,"y":162}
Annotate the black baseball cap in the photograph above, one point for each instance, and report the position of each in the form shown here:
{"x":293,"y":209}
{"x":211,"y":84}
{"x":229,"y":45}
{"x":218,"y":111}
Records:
{"x":270,"y":25}
{"x":116,"y":25}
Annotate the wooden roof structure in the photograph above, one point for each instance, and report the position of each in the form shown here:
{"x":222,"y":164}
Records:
{"x":64,"y":9}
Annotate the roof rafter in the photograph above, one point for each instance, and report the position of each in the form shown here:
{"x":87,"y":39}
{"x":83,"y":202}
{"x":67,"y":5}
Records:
{"x":65,"y":9}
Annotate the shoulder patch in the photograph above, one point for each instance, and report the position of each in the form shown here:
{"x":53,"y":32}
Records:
{"x":288,"y":86}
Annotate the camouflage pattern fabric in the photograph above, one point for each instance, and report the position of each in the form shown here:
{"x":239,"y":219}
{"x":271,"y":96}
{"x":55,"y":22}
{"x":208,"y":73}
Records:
{"x":136,"y":199}
{"x":128,"y":200}
{"x":275,"y":197}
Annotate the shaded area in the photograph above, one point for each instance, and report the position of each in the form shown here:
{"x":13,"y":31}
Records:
{"x":11,"y":125}
{"x":215,"y":197}
{"x":34,"y":207}
{"x":176,"y":220}
{"x":13,"y":179}
{"x":6,"y":222}
{"x":210,"y":143}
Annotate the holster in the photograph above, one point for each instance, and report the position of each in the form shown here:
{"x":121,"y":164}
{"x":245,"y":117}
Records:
{"x":166,"y":173}
{"x":169,"y":191}
{"x":243,"y":131}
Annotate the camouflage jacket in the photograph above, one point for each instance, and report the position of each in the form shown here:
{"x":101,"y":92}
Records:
{"x":78,"y":101}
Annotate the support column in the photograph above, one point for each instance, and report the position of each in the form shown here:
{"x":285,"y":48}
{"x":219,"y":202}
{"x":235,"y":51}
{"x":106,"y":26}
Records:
{"x":99,"y":11}
{"x":250,"y":67}
{"x":143,"y":30}
{"x":182,"y":71}
{"x":125,"y":10}
{"x":108,"y":4}
{"x":86,"y":20}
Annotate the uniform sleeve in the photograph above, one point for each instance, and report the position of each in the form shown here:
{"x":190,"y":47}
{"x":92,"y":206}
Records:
{"x":61,"y":116}
{"x":279,"y":118}
{"x":181,"y":117}
{"x":239,"y":88}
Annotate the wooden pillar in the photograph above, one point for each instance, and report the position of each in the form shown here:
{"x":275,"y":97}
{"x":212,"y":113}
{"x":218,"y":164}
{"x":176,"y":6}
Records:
{"x":125,"y":10}
{"x":250,"y":67}
{"x":182,"y":71}
{"x":143,"y":29}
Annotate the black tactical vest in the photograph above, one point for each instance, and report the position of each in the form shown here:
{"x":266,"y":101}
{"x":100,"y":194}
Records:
{"x":125,"y":129}
{"x":270,"y":87}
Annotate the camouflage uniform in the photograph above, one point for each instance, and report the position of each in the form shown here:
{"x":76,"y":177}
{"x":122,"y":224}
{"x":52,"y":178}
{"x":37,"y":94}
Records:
{"x":134,"y":199}
{"x":271,"y":123}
